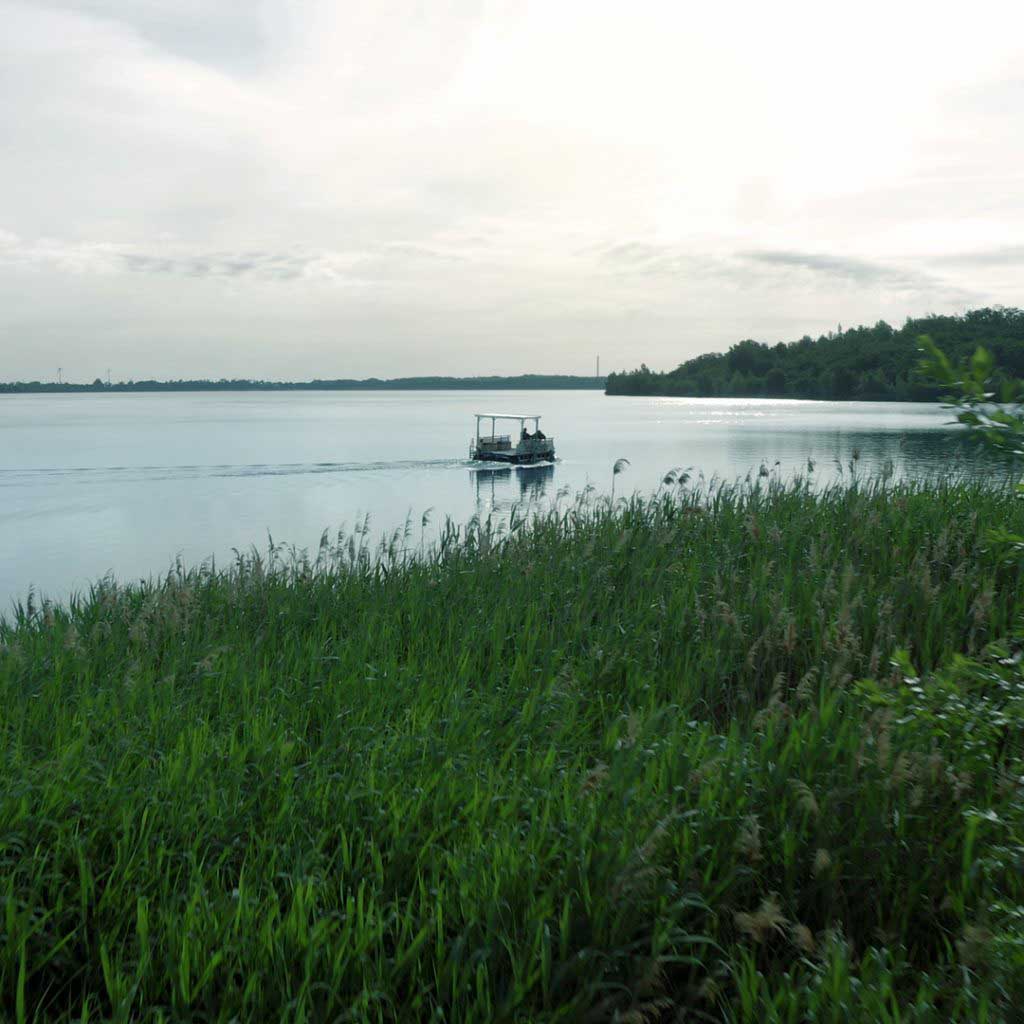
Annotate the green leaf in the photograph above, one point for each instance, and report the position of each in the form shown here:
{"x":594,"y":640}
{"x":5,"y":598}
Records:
{"x":981,"y":363}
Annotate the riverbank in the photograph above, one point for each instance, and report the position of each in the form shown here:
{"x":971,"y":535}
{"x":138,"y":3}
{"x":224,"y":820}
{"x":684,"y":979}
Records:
{"x":617,"y":762}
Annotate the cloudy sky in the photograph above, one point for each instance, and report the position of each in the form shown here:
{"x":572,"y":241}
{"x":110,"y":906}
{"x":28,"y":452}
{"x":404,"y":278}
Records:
{"x":298,"y":188}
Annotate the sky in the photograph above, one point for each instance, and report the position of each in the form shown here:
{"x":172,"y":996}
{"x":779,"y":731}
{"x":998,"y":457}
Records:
{"x":329,"y":188}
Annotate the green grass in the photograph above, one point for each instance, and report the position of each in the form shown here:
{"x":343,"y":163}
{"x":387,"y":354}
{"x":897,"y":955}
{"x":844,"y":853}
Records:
{"x":615,"y":765}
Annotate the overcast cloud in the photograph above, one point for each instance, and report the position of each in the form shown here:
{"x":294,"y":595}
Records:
{"x":292,"y":189}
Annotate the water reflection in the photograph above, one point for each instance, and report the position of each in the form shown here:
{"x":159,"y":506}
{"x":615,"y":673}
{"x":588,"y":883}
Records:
{"x":498,"y":489}
{"x":866,"y":453}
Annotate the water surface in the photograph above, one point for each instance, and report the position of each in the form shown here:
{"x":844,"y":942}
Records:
{"x":125,"y":483}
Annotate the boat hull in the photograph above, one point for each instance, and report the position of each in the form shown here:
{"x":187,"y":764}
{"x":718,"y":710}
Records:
{"x":514,"y":458}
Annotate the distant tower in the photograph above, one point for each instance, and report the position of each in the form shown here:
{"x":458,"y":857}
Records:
{"x":598,"y":374}
{"x":59,"y":371}
{"x":108,"y":376}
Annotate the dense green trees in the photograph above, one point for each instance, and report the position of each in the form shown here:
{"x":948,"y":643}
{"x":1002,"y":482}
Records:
{"x":871,"y":363}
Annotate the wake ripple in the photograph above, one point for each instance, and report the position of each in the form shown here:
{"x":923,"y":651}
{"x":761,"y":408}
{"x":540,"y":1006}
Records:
{"x":127,"y":474}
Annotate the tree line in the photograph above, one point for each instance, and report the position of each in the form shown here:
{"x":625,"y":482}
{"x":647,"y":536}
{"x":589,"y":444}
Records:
{"x":879,"y":363}
{"x":535,"y":381}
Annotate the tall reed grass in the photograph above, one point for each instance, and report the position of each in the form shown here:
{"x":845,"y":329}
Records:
{"x":615,"y":764}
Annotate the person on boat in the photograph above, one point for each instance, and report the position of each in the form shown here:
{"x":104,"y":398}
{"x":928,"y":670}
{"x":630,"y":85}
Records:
{"x":525,"y":435}
{"x":539,"y":436}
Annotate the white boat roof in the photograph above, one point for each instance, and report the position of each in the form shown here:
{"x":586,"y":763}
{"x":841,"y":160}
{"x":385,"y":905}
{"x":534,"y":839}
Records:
{"x":507,"y":416}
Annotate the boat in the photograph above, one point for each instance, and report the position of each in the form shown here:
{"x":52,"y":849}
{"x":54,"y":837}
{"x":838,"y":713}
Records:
{"x":495,"y":447}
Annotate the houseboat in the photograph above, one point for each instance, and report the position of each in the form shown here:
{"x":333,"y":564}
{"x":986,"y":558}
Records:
{"x":522,"y":448}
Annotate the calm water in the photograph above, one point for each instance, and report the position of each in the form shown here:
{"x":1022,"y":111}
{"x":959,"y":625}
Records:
{"x":91,"y":484}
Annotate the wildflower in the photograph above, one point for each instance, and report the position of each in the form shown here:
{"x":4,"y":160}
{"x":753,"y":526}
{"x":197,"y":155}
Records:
{"x":748,"y":841}
{"x":762,"y":922}
{"x":804,"y":796}
{"x":802,"y":938}
{"x":962,"y":785}
{"x":709,"y":989}
{"x":973,"y":945}
{"x":71,"y":641}
{"x":806,"y":687}
{"x":789,"y":636}
{"x":822,"y":862}
{"x":594,"y":778}
{"x":727,"y":615}
{"x":902,"y":770}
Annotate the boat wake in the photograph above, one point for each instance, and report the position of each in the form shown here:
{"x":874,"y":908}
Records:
{"x":131,"y":474}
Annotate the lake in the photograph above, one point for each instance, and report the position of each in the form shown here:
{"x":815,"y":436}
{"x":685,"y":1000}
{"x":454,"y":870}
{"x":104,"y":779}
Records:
{"x":125,"y":483}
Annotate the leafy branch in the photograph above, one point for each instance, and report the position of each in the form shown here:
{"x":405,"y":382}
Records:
{"x":997,"y":418}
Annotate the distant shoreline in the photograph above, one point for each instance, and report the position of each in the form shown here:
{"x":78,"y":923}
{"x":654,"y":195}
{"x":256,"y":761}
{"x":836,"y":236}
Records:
{"x":538,"y":382}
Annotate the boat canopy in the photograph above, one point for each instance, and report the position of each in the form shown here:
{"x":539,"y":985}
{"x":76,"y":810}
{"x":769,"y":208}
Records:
{"x":506,"y":416}
{"x":520,"y":418}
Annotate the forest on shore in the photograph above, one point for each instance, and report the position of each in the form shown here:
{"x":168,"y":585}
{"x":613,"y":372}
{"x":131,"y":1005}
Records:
{"x":877,"y":363}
